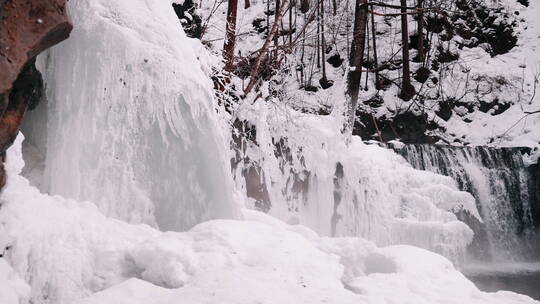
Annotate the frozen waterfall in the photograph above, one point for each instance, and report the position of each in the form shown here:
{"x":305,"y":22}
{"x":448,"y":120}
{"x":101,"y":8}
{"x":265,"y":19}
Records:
{"x":128,"y":122}
{"x":505,"y":189}
{"x":298,"y":168}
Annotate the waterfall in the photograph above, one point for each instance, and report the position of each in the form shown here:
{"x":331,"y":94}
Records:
{"x":505,"y":189}
{"x":129,"y":122}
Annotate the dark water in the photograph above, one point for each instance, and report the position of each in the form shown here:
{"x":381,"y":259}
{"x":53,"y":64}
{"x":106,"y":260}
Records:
{"x":527,"y":283}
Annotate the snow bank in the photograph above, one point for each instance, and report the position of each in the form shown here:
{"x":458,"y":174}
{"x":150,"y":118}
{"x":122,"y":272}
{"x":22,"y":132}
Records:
{"x":13,"y":290}
{"x":129,"y":122}
{"x":269,"y":262}
{"x":63,"y":248}
{"x":315,"y":179}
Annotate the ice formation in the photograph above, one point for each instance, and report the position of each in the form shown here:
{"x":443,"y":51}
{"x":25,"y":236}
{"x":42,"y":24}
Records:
{"x":128,"y":122}
{"x":504,"y":187}
{"x":312,"y":177}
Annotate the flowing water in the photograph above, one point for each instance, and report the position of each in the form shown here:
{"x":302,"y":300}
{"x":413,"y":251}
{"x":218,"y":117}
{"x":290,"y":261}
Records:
{"x":507,"y":195}
{"x":525,"y":283}
{"x":505,"y":189}
{"x":518,"y":277}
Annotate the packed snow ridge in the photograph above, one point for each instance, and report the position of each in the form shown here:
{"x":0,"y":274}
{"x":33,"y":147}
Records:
{"x":134,"y":148}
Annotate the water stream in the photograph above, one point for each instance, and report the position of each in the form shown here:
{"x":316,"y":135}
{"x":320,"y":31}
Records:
{"x":505,"y":190}
{"x":505,"y":249}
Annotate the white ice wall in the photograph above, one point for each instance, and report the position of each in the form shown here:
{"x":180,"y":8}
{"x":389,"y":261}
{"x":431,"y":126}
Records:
{"x":382,"y":198}
{"x":130,"y":124}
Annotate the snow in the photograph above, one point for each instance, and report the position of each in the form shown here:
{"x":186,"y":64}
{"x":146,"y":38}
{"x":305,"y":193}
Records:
{"x":432,"y":281}
{"x":64,"y":249}
{"x":475,"y":77}
{"x":130,"y":143}
{"x":12,"y":288}
{"x":68,"y":252}
{"x":129,"y":122}
{"x":407,"y":206}
{"x":506,"y":77}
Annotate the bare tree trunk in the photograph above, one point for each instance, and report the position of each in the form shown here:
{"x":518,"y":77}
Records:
{"x":291,"y":23}
{"x":334,"y":4}
{"x":230,"y":35}
{"x":378,"y":85}
{"x":421,"y":52}
{"x":356,"y":58}
{"x":267,"y":17}
{"x":318,"y":43}
{"x":247,"y":4}
{"x":303,"y":52}
{"x":347,"y":27}
{"x":407,"y":90}
{"x":277,"y":20}
{"x":367,"y":57}
{"x":264,"y":49}
{"x":323,"y":43}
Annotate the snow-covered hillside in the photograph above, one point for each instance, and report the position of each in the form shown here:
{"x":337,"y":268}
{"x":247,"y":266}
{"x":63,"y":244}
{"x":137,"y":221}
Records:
{"x":474,"y":93}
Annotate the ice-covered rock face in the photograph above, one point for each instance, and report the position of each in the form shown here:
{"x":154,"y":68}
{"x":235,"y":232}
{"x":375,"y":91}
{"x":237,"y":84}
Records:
{"x":306,"y":174}
{"x":28,"y":28}
{"x":128,"y":122}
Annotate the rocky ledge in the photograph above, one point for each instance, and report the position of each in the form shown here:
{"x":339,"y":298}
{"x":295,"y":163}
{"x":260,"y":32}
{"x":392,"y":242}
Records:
{"x":27,"y":28}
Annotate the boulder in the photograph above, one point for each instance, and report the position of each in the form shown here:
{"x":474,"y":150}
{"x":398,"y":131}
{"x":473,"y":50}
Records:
{"x":27,"y":28}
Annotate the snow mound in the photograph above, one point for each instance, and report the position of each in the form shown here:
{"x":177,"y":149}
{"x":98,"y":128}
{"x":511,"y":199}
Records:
{"x":258,"y":262}
{"x":13,"y":290}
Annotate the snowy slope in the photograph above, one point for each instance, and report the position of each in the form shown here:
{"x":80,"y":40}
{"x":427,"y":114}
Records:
{"x":521,"y":66}
{"x":12,"y":288}
{"x":475,"y":78}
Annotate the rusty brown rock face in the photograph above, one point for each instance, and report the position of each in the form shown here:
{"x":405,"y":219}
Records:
{"x":27,"y":28}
